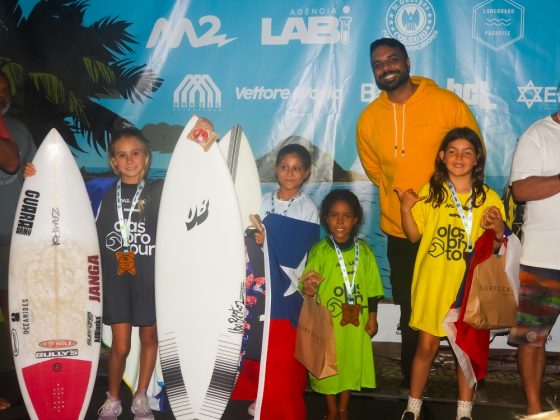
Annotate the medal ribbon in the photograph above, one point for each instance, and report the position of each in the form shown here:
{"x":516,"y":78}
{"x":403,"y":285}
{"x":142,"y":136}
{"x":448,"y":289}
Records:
{"x":273,"y":210}
{"x":349,"y":286}
{"x":466,"y":219}
{"x":125,"y":224}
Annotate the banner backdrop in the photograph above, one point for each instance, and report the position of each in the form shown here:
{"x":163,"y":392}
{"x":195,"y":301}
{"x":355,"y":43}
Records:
{"x":289,"y":68}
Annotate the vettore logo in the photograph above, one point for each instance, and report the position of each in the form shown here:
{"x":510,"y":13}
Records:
{"x":197,"y":91}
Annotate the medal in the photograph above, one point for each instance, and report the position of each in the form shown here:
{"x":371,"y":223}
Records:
{"x":350,"y":310}
{"x":285,"y":211}
{"x":125,"y":262}
{"x":125,"y":258}
{"x":351,"y":314}
{"x":349,"y":286}
{"x":466,"y":219}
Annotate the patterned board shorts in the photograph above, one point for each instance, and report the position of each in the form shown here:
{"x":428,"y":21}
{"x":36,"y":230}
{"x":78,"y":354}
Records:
{"x":539,"y":305}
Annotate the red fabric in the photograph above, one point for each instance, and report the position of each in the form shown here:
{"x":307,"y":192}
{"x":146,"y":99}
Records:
{"x":285,"y":376}
{"x":4,"y":133}
{"x":248,"y":381}
{"x":474,"y":342}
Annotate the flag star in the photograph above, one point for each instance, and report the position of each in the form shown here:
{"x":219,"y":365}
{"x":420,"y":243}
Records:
{"x":294,"y":275}
{"x":536,"y":94}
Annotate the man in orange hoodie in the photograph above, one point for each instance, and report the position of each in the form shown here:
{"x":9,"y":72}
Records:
{"x":397,"y":138}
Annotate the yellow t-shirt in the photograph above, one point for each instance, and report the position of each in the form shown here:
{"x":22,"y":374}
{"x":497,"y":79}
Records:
{"x":440,"y":266}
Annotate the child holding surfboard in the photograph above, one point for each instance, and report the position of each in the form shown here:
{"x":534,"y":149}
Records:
{"x":350,"y":288}
{"x":292,"y":168}
{"x":126,"y":226}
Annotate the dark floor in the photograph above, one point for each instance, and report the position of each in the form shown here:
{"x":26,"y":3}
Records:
{"x":500,"y":398}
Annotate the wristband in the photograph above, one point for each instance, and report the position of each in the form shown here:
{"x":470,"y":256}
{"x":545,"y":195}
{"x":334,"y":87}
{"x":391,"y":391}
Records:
{"x":500,"y":239}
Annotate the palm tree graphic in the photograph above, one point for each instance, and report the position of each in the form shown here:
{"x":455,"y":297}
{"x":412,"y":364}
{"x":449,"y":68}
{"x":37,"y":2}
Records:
{"x":59,"y":68}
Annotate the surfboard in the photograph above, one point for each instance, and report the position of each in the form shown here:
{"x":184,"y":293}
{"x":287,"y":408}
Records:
{"x":200,"y":269}
{"x":243,"y":169}
{"x":55,"y":287}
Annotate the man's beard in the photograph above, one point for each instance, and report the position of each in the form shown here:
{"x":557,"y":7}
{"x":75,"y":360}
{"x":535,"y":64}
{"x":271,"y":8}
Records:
{"x":394,"y":84}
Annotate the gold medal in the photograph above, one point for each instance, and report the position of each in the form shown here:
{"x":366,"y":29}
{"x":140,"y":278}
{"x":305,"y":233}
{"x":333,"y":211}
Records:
{"x":350,"y":314}
{"x":125,"y":261}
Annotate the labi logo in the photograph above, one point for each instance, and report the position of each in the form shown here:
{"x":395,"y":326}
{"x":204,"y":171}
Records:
{"x":170,"y":33}
{"x":317,"y":25}
{"x":198,"y":214}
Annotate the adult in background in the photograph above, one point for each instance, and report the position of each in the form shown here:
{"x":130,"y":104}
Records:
{"x":9,"y":163}
{"x":397,"y":137}
{"x":11,"y":181}
{"x":535,"y":178}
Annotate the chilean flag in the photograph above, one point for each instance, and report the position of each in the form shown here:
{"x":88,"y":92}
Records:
{"x":282,"y":378}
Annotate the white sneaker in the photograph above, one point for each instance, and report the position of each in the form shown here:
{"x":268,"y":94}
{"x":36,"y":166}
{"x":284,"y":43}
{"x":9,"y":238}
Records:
{"x":251,"y":409}
{"x":141,"y":408}
{"x":110,"y":410}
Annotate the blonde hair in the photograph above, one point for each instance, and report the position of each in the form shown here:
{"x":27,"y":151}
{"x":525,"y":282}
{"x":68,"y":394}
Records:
{"x":130,"y":132}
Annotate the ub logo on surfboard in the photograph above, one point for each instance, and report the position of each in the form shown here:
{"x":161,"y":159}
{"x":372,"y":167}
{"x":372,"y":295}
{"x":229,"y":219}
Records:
{"x":198,"y":215}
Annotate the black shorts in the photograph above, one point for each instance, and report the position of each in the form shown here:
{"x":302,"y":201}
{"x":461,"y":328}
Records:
{"x":127,"y":299}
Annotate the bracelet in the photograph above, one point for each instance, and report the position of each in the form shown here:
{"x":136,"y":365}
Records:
{"x":501,"y":239}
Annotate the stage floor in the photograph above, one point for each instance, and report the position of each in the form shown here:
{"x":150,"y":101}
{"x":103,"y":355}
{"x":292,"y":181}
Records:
{"x":500,"y":398}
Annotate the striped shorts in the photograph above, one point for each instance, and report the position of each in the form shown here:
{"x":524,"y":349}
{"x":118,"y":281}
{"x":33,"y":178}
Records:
{"x":539,"y":305}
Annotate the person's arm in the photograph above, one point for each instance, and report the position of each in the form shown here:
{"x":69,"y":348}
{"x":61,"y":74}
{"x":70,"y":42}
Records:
{"x":408,"y":199}
{"x":535,"y":188}
{"x":9,"y":156}
{"x":371,"y":326}
{"x":492,"y":219}
{"x":369,"y":160}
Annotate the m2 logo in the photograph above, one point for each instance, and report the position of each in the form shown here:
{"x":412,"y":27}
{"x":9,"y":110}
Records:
{"x":171,"y":33}
{"x":197,"y":215}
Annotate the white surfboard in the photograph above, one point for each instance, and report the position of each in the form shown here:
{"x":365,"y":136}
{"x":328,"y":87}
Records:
{"x":200,"y":269}
{"x":243,"y":169}
{"x":55,"y":287}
